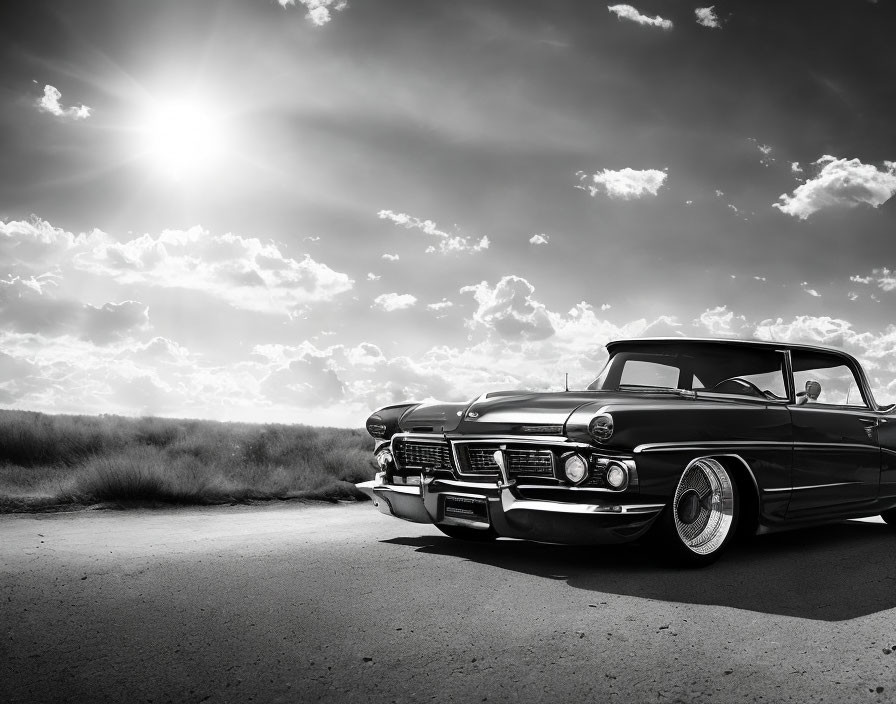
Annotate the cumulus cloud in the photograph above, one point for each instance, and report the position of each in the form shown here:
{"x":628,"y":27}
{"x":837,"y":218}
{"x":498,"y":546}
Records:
{"x":242,"y":271}
{"x":627,"y":12}
{"x":440,"y":305}
{"x":394,"y":301}
{"x":721,"y":322}
{"x":509,"y":309}
{"x":884,"y":278}
{"x":706,"y":17}
{"x":448,"y":243}
{"x":626,"y":184}
{"x":795,"y":167}
{"x":373,"y":277}
{"x":50,"y":103}
{"x":319,"y":11}
{"x":390,"y":257}
{"x":27,"y":308}
{"x":840,"y":183}
{"x":539,"y":239}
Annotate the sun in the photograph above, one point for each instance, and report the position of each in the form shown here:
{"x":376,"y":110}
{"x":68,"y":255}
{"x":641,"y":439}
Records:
{"x":183,"y":138}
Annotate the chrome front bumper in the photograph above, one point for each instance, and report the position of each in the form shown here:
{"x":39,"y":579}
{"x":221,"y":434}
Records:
{"x":510,"y":515}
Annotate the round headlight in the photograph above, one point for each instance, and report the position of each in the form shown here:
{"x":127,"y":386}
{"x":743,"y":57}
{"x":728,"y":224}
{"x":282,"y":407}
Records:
{"x":384,"y":458}
{"x":617,"y":475}
{"x":376,"y":427}
{"x":601,"y":427}
{"x":575,"y":468}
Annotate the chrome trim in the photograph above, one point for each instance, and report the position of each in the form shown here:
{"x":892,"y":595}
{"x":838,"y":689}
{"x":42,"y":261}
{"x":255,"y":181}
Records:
{"x":705,"y":445}
{"x":556,"y":507}
{"x":811,"y":486}
{"x":605,"y":490}
{"x":534,"y":439}
{"x":709,"y":444}
{"x":413,"y":490}
{"x":479,"y":486}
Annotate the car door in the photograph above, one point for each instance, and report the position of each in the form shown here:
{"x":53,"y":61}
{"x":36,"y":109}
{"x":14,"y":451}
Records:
{"x":836,"y":451}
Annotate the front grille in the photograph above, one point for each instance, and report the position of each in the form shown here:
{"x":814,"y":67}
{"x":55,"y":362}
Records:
{"x":530,"y":461}
{"x":409,"y":453}
{"x":481,"y":460}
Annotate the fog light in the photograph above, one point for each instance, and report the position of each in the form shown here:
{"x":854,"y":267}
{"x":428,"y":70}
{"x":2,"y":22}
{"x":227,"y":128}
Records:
{"x":617,"y":475}
{"x":576,"y":468}
{"x":384,"y":458}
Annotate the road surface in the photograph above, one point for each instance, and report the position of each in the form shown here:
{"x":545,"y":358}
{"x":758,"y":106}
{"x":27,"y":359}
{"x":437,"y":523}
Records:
{"x":292,"y":602}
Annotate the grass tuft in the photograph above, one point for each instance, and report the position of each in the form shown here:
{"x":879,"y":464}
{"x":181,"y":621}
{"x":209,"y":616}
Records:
{"x":52,"y":461}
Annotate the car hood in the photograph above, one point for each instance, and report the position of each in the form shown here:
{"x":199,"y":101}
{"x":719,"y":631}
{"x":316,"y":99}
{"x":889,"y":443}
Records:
{"x":553,"y":408}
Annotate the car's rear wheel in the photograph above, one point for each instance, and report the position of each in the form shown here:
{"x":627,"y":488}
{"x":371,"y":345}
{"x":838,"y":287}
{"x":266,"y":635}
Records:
{"x":702,"y":516}
{"x":464,"y":533}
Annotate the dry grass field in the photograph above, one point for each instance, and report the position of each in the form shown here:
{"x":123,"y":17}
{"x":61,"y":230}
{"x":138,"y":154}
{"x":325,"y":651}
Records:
{"x":57,"y":461}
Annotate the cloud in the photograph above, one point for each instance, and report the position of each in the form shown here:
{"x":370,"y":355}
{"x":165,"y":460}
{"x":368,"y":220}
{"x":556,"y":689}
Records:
{"x":373,"y":277}
{"x":390,"y":257}
{"x":627,"y":12}
{"x":539,"y":239}
{"x":795,"y":167}
{"x":394,"y":301}
{"x":319,"y":11}
{"x":884,"y":278}
{"x":626,"y":184}
{"x":440,"y":305}
{"x":27,"y":308}
{"x":50,"y":103}
{"x":721,"y":322}
{"x":707,"y":17}
{"x":811,"y":291}
{"x":841,"y":183}
{"x":509,"y":310}
{"x":447,"y":243}
{"x":241,"y":271}
{"x":307,"y":382}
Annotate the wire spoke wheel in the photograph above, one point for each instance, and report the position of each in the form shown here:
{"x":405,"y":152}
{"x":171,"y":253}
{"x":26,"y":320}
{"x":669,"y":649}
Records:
{"x":703,"y":507}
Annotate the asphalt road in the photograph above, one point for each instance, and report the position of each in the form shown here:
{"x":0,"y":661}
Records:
{"x":293,"y":602}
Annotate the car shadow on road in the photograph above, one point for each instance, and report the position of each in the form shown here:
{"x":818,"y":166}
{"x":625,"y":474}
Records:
{"x":830,"y":573}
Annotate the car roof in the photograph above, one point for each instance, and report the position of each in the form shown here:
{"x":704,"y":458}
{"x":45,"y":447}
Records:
{"x":733,"y":342}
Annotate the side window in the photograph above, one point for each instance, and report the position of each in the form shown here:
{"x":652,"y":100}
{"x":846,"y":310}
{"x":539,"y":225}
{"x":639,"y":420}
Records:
{"x":820,"y":379}
{"x":640,"y":373}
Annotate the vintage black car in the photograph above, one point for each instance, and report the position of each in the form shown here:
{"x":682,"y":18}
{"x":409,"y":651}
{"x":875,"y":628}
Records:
{"x":679,"y":440}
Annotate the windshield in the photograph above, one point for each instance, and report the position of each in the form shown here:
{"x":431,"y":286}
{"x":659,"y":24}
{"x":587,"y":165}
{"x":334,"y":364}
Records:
{"x":702,"y":367}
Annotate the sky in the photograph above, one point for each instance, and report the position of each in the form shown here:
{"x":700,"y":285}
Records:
{"x":299,"y":211}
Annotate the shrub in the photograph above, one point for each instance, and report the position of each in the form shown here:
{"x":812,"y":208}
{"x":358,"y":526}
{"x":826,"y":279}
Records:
{"x":85,"y":459}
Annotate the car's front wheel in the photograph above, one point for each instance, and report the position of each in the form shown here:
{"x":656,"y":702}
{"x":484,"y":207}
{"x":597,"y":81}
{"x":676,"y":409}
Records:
{"x":464,"y":533}
{"x":702,"y":516}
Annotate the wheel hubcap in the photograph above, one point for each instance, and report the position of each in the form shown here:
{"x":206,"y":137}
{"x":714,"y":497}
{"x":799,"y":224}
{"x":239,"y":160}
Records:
{"x":689,"y":507}
{"x":704,"y":506}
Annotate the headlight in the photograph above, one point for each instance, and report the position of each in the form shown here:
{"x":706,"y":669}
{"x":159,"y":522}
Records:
{"x":384,"y":458}
{"x":376,"y":427}
{"x":601,"y":427}
{"x":575,"y":468}
{"x":617,"y":475}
